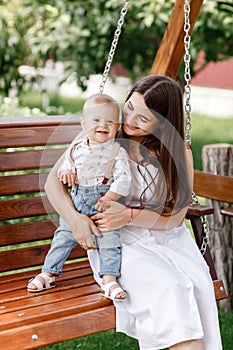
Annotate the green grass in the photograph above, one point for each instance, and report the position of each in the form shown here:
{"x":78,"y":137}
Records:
{"x":207,"y":130}
{"x":34,"y":99}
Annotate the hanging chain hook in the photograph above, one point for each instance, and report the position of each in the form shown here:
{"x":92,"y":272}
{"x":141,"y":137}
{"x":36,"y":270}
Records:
{"x":205,"y":227}
{"x":187,"y":75}
{"x":113,"y":46}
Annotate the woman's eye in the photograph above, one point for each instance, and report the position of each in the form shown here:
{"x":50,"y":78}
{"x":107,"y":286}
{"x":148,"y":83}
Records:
{"x":110,"y":122}
{"x":143,"y":119}
{"x":130,"y":106}
{"x":96,"y":120}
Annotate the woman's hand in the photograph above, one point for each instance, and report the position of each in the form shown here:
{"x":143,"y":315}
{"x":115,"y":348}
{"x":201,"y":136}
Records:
{"x":82,"y":229}
{"x":116,"y":216}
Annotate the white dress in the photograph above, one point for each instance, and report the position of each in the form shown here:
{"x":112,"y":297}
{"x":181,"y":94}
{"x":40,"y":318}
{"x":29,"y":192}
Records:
{"x":170,"y":292}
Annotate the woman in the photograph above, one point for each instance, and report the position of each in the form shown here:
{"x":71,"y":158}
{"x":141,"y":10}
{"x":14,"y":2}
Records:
{"x":171,"y":302}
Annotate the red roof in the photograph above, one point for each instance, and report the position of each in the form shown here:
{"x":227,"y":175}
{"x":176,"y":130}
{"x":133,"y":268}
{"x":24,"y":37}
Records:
{"x":216,"y":75}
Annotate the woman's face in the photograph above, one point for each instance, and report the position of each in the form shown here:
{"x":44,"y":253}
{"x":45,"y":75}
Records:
{"x":138,"y":119}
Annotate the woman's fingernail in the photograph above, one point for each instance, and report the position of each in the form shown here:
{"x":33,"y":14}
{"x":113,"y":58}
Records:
{"x":100,"y":200}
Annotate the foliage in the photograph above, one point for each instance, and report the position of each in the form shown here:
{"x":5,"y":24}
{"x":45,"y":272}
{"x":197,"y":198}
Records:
{"x":80,"y":32}
{"x":15,"y":20}
{"x":213,"y":31}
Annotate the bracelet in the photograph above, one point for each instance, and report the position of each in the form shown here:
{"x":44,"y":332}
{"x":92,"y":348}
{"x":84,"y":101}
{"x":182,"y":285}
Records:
{"x":131,"y":215}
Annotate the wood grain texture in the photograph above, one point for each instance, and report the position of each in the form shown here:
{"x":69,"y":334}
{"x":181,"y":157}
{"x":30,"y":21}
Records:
{"x":171,"y":50}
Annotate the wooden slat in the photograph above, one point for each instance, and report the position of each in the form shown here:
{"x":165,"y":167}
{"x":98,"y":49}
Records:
{"x":25,"y":207}
{"x":212,"y":186}
{"x":54,"y":331}
{"x":14,"y":294}
{"x":29,"y":257}
{"x":52,"y":120}
{"x":227,"y":212}
{"x":171,"y":50}
{"x":37,"y":136}
{"x":54,"y":310}
{"x":8,"y":282}
{"x":219,"y":290}
{"x":27,"y":232}
{"x":27,"y":160}
{"x":27,"y":183}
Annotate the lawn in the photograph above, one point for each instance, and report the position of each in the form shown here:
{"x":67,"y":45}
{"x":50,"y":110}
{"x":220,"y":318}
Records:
{"x":206,"y":130}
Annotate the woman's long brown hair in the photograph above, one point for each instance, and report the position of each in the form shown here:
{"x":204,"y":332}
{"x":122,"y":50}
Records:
{"x":162,"y":95}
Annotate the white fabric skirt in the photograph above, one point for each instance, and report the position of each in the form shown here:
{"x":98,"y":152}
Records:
{"x":170,"y":292}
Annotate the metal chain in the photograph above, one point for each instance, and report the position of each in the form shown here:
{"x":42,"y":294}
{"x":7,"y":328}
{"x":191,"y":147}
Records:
{"x":187,"y":76}
{"x":205,"y":226}
{"x":113,"y":46}
{"x":187,"y":106}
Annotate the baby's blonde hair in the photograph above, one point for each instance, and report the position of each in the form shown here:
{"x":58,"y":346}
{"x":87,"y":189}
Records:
{"x":100,"y":99}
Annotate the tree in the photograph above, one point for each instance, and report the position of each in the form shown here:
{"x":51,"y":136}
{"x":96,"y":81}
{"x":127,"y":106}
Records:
{"x":14,"y":23}
{"x":213,"y":32}
{"x":80,"y":32}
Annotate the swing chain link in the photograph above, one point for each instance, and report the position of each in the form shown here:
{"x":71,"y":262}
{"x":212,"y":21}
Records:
{"x":205,"y":226}
{"x":187,"y":106}
{"x":113,"y":46}
{"x":187,"y":75}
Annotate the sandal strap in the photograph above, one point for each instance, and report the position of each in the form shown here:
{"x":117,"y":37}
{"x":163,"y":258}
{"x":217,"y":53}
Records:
{"x":116,"y":291}
{"x":106,"y":287}
{"x":112,"y":295}
{"x":36,"y":282}
{"x":48,"y":279}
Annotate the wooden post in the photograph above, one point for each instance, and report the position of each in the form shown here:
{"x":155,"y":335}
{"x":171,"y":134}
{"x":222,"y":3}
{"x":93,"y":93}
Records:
{"x":171,"y":50}
{"x":218,"y":159}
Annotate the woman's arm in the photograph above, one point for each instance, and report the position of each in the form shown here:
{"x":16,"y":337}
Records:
{"x":118,"y":215}
{"x":81,"y":225}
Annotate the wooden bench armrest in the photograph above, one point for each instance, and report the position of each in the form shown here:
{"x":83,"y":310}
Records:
{"x":199,"y":210}
{"x":227,"y":211}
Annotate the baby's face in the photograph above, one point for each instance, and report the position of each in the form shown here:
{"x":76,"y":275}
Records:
{"x":101,"y":121}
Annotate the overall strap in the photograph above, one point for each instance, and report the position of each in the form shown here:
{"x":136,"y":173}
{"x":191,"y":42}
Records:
{"x":111,"y":161}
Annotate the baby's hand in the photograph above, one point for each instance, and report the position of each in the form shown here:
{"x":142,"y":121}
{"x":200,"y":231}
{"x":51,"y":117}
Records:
{"x":102,"y":205}
{"x":68,"y":177}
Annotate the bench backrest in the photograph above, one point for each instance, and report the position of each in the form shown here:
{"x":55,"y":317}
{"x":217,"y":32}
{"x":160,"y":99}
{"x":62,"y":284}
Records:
{"x":29,"y":147}
{"x":216,"y":187}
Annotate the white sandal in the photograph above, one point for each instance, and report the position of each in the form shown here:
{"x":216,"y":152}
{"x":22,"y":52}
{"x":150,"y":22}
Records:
{"x":48,"y":282}
{"x":111,"y":295}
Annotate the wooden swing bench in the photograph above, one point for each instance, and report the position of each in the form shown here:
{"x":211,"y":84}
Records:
{"x":75,"y":308}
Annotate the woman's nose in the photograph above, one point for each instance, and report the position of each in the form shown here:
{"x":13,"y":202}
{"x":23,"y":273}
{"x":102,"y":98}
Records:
{"x":132,"y":119}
